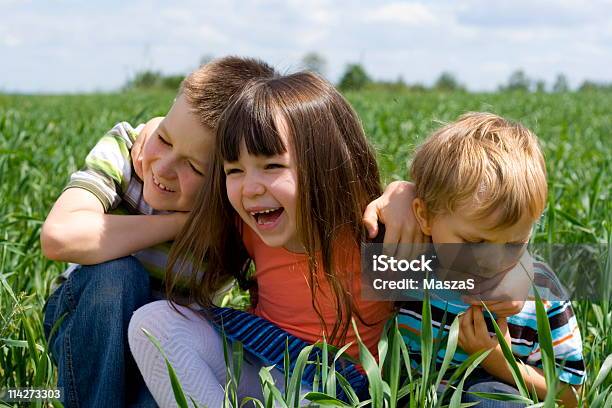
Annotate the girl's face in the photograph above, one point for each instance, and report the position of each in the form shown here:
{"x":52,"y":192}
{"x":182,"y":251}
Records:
{"x":263,"y":190}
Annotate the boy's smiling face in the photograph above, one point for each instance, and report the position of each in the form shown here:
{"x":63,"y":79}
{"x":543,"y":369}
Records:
{"x":174,"y":159}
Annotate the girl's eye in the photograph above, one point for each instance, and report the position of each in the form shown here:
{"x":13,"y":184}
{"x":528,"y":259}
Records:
{"x":231,"y":171}
{"x":275,"y":166}
{"x":163,"y":140}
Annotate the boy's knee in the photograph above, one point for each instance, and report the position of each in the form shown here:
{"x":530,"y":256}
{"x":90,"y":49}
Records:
{"x":494,"y":387}
{"x":122,"y":279}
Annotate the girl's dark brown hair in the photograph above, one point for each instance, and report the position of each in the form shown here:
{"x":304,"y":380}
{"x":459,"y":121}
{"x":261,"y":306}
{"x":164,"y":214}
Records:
{"x":337,"y":177}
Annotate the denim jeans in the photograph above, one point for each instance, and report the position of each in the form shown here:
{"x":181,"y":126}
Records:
{"x":90,"y":347}
{"x":488,"y":383}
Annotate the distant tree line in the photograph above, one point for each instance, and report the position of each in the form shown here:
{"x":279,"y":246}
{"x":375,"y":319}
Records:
{"x":154,"y":79}
{"x":355,"y":77}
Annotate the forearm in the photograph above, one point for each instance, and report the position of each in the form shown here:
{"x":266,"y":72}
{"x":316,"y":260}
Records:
{"x":496,"y":365}
{"x":89,"y":237}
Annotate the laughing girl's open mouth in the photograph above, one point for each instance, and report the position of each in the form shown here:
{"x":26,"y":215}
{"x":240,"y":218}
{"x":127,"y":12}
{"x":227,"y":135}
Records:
{"x":266,"y":217}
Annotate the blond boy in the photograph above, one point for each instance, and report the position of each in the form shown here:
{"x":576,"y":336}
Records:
{"x":482,"y":179}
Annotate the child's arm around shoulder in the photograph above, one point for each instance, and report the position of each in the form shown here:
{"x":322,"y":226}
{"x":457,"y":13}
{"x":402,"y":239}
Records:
{"x":77,"y":230}
{"x":394,"y":210}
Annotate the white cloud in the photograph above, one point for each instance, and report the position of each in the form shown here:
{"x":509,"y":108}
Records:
{"x":11,"y":41}
{"x":414,"y":14}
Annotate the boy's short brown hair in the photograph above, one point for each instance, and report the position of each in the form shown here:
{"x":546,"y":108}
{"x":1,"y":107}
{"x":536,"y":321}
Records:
{"x":484,"y":161}
{"x":210,"y":88}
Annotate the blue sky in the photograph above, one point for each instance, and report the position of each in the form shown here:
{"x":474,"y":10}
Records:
{"x":80,"y":46}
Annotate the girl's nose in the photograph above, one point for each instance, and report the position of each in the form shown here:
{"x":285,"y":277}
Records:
{"x":252,"y":186}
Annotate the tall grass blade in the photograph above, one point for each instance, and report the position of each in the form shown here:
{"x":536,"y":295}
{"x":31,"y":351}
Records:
{"x":546,"y":349}
{"x":510,"y":360}
{"x":177,"y":389}
{"x":426,"y":347}
{"x":370,"y":366}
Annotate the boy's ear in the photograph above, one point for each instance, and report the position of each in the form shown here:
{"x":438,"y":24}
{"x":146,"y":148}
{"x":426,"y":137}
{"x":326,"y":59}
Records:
{"x":420,"y":213}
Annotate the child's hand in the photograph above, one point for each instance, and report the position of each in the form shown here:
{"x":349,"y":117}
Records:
{"x":136,"y":151}
{"x":507,"y":296}
{"x":501,"y":308}
{"x":394,"y":209}
{"x":473,"y":333}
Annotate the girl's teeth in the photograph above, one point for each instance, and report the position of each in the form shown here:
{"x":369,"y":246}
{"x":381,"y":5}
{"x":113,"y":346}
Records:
{"x":263,"y":211}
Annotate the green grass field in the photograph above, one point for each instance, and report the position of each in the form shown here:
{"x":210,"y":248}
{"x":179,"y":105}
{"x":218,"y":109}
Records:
{"x":45,"y":138}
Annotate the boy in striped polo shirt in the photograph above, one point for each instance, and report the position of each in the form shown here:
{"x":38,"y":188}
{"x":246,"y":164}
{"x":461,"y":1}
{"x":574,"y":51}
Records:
{"x":482,"y":179}
{"x":115,"y":221}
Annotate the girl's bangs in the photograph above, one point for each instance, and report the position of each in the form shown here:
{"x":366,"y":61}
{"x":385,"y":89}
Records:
{"x":252,"y":120}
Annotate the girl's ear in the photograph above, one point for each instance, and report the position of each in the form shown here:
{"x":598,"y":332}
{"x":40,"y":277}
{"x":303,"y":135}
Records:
{"x":420,"y":213}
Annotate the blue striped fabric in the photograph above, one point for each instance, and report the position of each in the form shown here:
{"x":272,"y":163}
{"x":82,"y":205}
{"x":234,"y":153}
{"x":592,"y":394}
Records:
{"x":266,"y":341}
{"x":567,"y":342}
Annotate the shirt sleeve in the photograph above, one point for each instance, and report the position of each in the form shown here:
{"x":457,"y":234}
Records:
{"x":108,"y":166}
{"x":567,"y":343}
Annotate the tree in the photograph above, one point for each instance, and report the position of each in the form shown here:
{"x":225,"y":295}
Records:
{"x":540,"y":86}
{"x":145,"y":79}
{"x":518,"y":81}
{"x":355,"y":77}
{"x":561,"y":84}
{"x":591,"y":86}
{"x":447,"y":82}
{"x":314,"y":62}
{"x":172,"y":82}
{"x":154,"y":79}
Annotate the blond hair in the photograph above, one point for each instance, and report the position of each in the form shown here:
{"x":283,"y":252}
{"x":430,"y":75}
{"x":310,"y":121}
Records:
{"x":210,"y":88}
{"x":484,"y":161}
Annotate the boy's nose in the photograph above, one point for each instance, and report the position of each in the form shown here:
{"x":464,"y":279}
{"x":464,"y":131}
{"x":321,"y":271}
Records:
{"x":166,"y":168}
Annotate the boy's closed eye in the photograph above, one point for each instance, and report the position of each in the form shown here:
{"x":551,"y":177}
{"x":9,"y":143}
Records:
{"x":515,"y":244}
{"x":164,"y":141}
{"x":195,"y":169}
{"x":473,"y":241}
{"x":193,"y":166}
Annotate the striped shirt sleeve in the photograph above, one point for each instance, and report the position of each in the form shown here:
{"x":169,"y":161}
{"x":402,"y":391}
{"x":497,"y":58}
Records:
{"x":108,"y":166}
{"x":567,"y":343}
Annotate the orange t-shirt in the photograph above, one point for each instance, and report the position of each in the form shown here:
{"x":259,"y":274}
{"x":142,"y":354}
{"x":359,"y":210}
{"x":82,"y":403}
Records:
{"x":284,"y":296}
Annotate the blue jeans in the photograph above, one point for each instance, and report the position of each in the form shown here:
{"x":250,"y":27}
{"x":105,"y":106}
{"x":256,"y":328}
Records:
{"x":487,"y":383}
{"x":90,"y":347}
